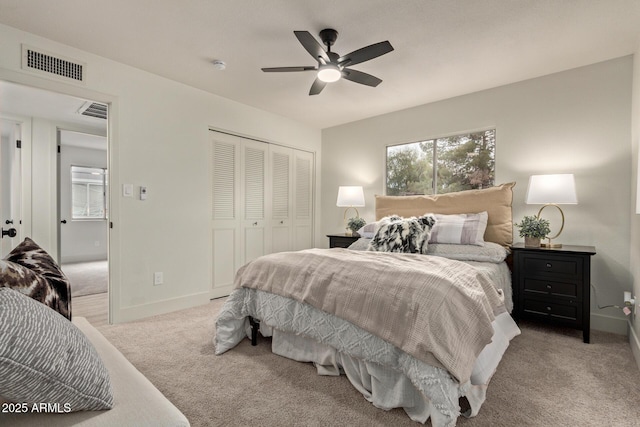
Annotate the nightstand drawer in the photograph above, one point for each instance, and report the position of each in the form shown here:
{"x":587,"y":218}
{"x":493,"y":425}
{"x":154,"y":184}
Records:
{"x":567,"y":313}
{"x":549,"y":287}
{"x":341,"y":240}
{"x":566,"y":267}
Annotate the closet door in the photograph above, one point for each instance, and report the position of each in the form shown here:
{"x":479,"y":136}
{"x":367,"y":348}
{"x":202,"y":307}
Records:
{"x":226,"y":251}
{"x":303,"y":166}
{"x":281,"y":203}
{"x":254,"y":230}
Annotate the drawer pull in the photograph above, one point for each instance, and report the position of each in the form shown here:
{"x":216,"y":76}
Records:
{"x":548,"y":308}
{"x":549,"y":265}
{"x":549,"y":286}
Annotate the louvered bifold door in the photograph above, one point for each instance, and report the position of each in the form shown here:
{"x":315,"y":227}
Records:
{"x":254,"y":184}
{"x":225,"y":163}
{"x":281,"y":172}
{"x":303,"y":172}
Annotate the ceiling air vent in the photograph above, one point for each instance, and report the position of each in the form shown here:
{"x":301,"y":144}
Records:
{"x":52,"y":65}
{"x":94,"y":109}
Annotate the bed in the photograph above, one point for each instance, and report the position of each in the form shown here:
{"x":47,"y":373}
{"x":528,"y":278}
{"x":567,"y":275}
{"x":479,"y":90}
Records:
{"x":416,"y":314}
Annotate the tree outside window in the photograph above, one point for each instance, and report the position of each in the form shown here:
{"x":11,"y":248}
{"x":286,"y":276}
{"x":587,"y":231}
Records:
{"x":442,"y":165}
{"x":88,"y":193}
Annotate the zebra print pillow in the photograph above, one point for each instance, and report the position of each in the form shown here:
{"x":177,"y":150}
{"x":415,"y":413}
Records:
{"x":30,"y":270}
{"x":408,"y":235}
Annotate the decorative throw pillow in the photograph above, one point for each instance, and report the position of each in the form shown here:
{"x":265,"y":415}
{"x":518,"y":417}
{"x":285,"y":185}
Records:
{"x":30,"y":269}
{"x":368,"y":230}
{"x":408,"y":235}
{"x":460,"y":229}
{"x":44,"y":358}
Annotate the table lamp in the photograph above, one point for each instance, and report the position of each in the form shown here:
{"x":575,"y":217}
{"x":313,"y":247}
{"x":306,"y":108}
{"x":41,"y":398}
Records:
{"x":552,"y":190}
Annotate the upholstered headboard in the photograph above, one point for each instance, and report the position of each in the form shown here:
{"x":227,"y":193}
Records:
{"x":496,"y":201}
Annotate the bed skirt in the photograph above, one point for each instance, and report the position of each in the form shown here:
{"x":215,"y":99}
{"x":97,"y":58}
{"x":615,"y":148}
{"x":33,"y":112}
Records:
{"x":387,"y":388}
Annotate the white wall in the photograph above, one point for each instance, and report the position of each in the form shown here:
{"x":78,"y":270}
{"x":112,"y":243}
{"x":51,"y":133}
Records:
{"x":159,"y":138}
{"x":576,"y":121}
{"x":84,"y":240}
{"x":634,"y":323}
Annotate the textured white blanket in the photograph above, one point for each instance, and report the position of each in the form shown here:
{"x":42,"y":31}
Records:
{"x":426,"y":306}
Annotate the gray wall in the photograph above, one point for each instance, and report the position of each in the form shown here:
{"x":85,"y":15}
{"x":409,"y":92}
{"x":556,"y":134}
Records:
{"x":577,"y":121}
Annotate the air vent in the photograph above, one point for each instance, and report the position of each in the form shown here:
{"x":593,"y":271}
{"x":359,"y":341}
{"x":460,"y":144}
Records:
{"x":93,"y":109}
{"x":51,"y":65}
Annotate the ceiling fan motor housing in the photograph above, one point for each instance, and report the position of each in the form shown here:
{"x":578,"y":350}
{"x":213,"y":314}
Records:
{"x":328,"y":36}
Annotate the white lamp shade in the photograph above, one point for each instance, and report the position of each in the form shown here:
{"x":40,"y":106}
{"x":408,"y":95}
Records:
{"x":559,"y":189}
{"x":350,"y":195}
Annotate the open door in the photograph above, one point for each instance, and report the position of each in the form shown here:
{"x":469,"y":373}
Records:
{"x":10,"y":185}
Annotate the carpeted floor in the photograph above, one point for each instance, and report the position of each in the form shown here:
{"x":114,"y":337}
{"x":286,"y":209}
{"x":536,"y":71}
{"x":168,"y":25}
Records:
{"x":548,"y":377}
{"x":87,"y":278}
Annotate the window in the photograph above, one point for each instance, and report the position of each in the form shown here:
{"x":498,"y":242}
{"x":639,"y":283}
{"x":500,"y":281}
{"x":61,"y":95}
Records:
{"x":442,"y":165}
{"x":88,"y":193}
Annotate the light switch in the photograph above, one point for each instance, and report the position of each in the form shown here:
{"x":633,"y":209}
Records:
{"x":143,"y":193}
{"x":127,"y":190}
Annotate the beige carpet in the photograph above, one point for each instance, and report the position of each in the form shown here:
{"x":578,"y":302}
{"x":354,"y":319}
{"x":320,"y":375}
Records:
{"x":547,"y":378}
{"x":87,"y":278}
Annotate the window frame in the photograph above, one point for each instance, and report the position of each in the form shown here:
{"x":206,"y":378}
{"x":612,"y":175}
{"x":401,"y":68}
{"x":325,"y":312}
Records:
{"x":104,"y":184}
{"x":434,"y":140}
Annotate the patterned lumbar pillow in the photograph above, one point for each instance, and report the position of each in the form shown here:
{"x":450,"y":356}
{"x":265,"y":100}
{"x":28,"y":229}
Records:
{"x":397,"y":234}
{"x":44,"y":358}
{"x":29,"y":269}
{"x":460,"y":229}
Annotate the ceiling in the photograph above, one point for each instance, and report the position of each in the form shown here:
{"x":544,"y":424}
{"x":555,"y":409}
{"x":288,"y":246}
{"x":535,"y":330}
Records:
{"x":443,"y":48}
{"x":23,"y":101}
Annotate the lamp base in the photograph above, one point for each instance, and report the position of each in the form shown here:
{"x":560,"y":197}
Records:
{"x":550,"y":245}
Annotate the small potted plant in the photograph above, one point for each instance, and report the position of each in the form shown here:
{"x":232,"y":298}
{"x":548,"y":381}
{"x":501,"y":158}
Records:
{"x":533,"y":229}
{"x":355,"y":224}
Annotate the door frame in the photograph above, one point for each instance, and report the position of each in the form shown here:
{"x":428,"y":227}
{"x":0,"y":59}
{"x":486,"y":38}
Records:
{"x":25,"y":170}
{"x":113,"y":235}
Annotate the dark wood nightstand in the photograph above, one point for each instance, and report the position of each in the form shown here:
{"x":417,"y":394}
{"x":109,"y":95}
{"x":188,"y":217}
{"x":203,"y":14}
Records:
{"x":552,"y":285}
{"x":341,"y":240}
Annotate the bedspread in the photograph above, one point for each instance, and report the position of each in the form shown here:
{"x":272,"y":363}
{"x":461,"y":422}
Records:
{"x":426,"y":306}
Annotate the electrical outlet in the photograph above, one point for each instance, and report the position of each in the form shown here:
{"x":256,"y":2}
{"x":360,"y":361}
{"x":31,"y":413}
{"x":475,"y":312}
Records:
{"x":158,"y":278}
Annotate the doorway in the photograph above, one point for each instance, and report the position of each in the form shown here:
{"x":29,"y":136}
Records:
{"x":83,"y":211}
{"x":44,"y":115}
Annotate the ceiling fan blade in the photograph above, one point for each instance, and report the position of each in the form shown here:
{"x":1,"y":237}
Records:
{"x":360,"y":77}
{"x":287,"y":69}
{"x":311,"y":45}
{"x":317,"y":87}
{"x":365,"y":53}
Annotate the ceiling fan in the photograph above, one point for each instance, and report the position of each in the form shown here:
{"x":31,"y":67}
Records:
{"x":331,"y":66}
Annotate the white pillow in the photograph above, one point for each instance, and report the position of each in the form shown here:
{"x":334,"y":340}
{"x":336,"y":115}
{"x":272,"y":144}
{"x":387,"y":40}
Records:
{"x":460,"y":229}
{"x":368,"y":230}
{"x":490,"y":252}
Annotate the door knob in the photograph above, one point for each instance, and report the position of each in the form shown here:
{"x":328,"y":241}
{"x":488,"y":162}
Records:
{"x":9,"y":221}
{"x":10,"y":232}
{"x":64,"y":221}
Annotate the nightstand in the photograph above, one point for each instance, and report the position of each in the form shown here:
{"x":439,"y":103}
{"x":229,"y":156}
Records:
{"x":552,"y":285}
{"x":341,"y":240}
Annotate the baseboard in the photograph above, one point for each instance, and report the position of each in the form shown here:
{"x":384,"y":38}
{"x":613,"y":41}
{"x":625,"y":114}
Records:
{"x":155,"y":308}
{"x":221,"y":291}
{"x":615,"y":325}
{"x":634,"y":342}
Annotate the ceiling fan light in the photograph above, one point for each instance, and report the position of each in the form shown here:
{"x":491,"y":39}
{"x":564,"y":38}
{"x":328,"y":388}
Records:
{"x":329,"y":73}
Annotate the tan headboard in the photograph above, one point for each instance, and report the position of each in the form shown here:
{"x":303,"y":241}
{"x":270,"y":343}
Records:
{"x":495,"y":200}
